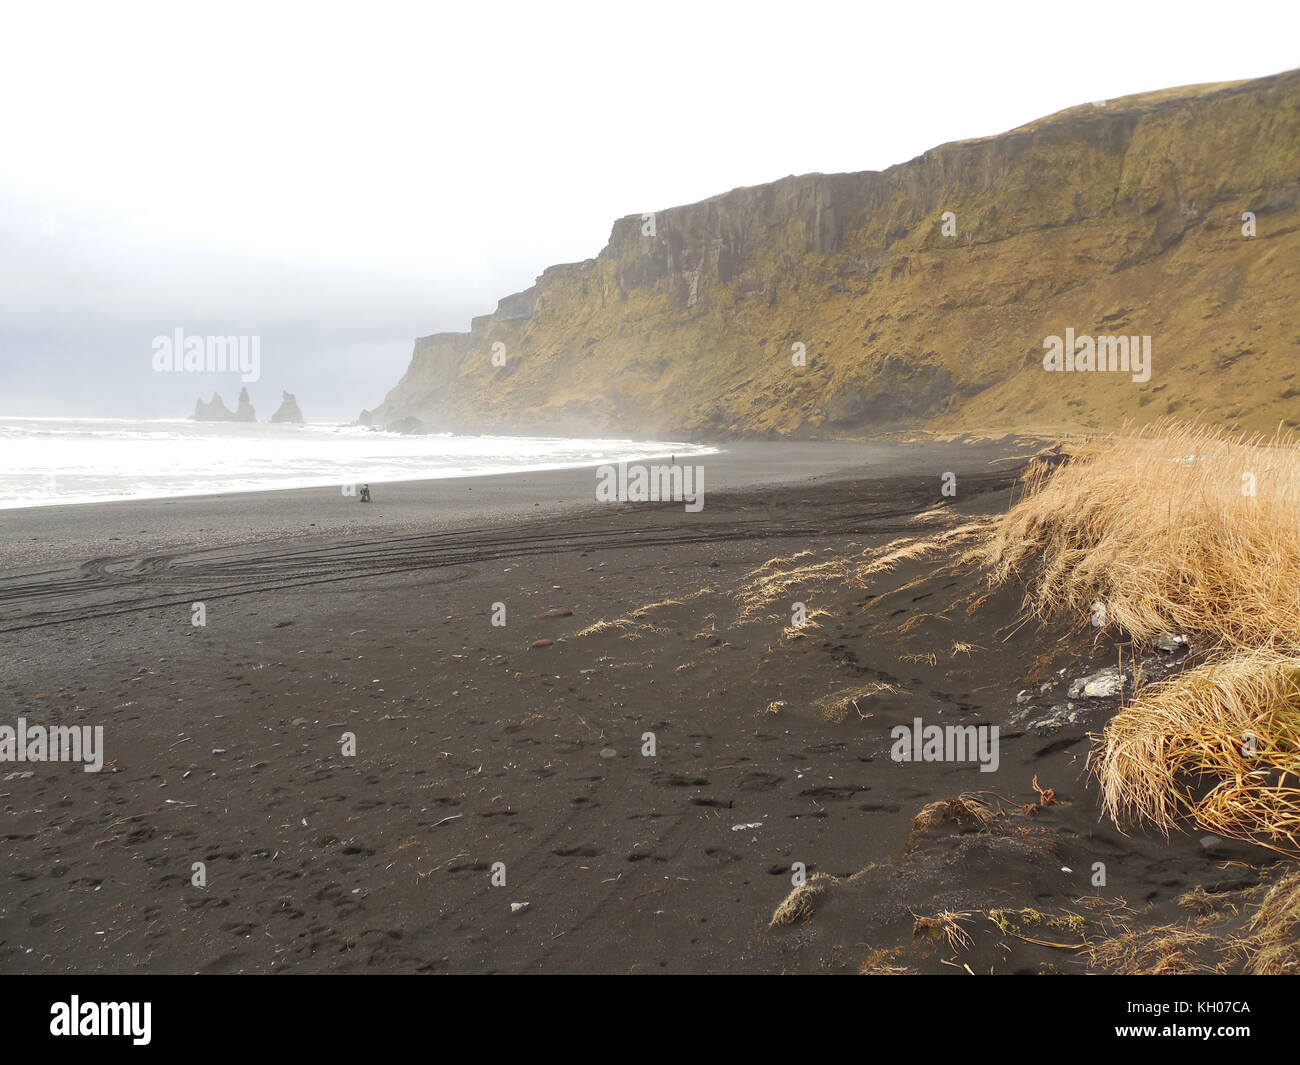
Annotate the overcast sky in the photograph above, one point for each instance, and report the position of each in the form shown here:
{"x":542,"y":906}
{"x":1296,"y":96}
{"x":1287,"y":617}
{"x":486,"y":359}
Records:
{"x":340,"y":178}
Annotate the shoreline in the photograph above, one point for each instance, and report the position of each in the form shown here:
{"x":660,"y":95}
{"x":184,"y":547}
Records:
{"x":39,"y":535}
{"x":444,"y":459}
{"x":332,"y":484}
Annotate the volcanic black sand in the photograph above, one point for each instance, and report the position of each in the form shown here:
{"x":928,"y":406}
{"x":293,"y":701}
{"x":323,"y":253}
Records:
{"x":476,"y":747}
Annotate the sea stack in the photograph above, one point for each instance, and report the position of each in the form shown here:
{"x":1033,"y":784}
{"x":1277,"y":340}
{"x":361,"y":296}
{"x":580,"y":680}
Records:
{"x":244,"y":412}
{"x":214,"y":410}
{"x":288,"y":411}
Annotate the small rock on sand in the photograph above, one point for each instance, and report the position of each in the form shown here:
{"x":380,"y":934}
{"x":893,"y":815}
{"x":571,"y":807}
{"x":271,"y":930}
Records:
{"x":1058,"y":717}
{"x":1100,"y":685}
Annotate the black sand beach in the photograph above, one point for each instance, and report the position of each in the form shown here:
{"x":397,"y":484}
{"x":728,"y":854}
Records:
{"x":523,"y":744}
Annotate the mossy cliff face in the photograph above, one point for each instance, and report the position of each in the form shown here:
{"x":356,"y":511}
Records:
{"x":1122,"y":218}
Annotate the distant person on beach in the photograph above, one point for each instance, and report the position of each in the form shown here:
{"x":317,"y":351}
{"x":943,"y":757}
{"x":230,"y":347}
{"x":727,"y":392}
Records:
{"x":365,"y":493}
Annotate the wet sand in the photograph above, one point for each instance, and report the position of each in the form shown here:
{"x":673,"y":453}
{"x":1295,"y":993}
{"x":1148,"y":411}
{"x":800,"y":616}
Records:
{"x":478,"y":745}
{"x":42,"y":534}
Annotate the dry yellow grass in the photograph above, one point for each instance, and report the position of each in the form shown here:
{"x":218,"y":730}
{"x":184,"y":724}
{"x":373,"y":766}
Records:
{"x":965,"y":810}
{"x":1185,"y":529}
{"x":632,"y":627}
{"x":664,"y":604}
{"x":802,"y":902}
{"x":626,"y":627}
{"x":837,"y":705}
{"x":1220,"y":744}
{"x":1165,"y":950}
{"x":778,"y":579}
{"x":945,"y":927}
{"x":1213,"y":941}
{"x":884,"y":962}
{"x":1273,"y":946}
{"x":1177,"y":527}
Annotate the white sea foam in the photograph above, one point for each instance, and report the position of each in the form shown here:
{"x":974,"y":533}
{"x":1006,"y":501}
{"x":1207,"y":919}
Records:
{"x":47,"y":461}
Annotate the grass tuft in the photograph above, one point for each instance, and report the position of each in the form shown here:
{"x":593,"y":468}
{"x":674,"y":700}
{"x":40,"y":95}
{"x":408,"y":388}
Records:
{"x":802,"y":902}
{"x":1178,"y":528}
{"x":1194,"y":531}
{"x":1219,"y":744}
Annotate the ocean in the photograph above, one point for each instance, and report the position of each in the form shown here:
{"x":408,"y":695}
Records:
{"x":46,"y":461}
